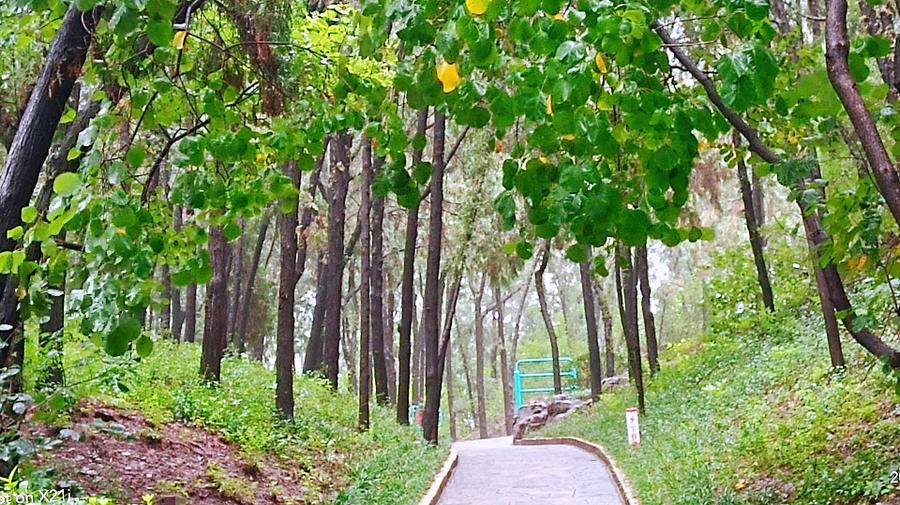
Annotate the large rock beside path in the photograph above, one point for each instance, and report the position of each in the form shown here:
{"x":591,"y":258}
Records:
{"x":539,"y":413}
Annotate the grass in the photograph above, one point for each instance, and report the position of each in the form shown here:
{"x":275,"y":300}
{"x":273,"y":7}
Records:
{"x":755,"y":416}
{"x":388,"y":465}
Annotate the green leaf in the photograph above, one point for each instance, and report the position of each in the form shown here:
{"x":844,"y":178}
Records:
{"x":125,"y":332}
{"x":859,"y":69}
{"x":144,"y":346}
{"x":135,"y":156}
{"x":232,"y":231}
{"x":29,"y":214}
{"x":577,"y":253}
{"x":66,"y":184}
{"x":160,"y":32}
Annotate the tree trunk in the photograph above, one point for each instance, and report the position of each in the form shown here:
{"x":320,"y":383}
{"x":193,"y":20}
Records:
{"x":331,"y":336}
{"x":563,"y":304}
{"x":190,"y":314}
{"x":407,"y":291}
{"x":377,"y":299}
{"x":642,"y":269}
{"x":607,"y":317}
{"x":389,"y":357}
{"x":508,"y":407}
{"x":431,"y":312}
{"x":451,"y":407}
{"x":836,"y":57}
{"x":548,"y":320}
{"x":216,"y":307}
{"x":237,"y":267}
{"x":312,"y":360}
{"x":31,"y":145}
{"x":247,"y":298}
{"x":365,"y":299}
{"x":418,"y":357}
{"x":756,"y":241}
{"x":284,"y":337}
{"x":175,"y":293}
{"x":479,"y":359}
{"x":630,"y":322}
{"x":470,"y":394}
{"x":590,"y":321}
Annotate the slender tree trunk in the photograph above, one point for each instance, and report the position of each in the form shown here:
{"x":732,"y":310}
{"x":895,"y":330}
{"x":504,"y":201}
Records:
{"x":479,"y":359}
{"x":389,"y":356}
{"x":607,"y":317}
{"x":563,"y":304}
{"x":451,"y":407}
{"x":756,"y":241}
{"x":331,"y":336}
{"x":284,"y":339}
{"x":517,"y":333}
{"x":312,"y":361}
{"x":365,"y":298}
{"x":175,"y":293}
{"x":407,"y":291}
{"x":418,"y":358}
{"x":247,"y":298}
{"x":431,"y":313}
{"x":508,"y":407}
{"x":837,"y":50}
{"x":190,"y":314}
{"x":630,"y":322}
{"x":470,"y":394}
{"x":590,"y":320}
{"x":548,"y":320}
{"x":238,"y":266}
{"x":642,"y":269}
{"x":377,"y":301}
{"x":216,"y":307}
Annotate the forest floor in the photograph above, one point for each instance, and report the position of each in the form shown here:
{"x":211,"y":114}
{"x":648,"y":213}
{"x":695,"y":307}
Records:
{"x":754,"y":414}
{"x":496,"y":472}
{"x":154,"y":428}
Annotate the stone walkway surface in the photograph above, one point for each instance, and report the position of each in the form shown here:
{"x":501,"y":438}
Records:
{"x":496,"y":472}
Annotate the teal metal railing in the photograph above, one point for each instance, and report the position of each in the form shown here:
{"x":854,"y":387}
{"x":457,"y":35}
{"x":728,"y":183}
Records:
{"x":567,"y":371}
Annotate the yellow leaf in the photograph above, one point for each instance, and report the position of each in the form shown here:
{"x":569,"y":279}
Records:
{"x":448,"y":75}
{"x":568,"y":137}
{"x":544,"y":160}
{"x":21,"y":293}
{"x":601,"y":63}
{"x":178,"y":40}
{"x":559,"y":17}
{"x":477,"y":7}
{"x":550,"y":105}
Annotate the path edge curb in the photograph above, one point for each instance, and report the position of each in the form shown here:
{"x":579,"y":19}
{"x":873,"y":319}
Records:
{"x":441,"y":479}
{"x":621,"y":482}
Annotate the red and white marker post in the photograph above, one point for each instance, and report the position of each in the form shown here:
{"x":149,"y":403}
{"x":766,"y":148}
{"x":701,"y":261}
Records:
{"x":632,"y":422}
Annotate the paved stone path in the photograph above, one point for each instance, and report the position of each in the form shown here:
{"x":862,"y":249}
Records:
{"x":495,"y":472}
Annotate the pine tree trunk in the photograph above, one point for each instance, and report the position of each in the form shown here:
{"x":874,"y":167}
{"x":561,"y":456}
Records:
{"x":331,"y":336}
{"x":365,"y":299}
{"x":407,"y":308}
{"x":479,"y":360}
{"x":284,"y":335}
{"x":175,"y":293}
{"x":642,"y":269}
{"x":508,"y":407}
{"x":377,"y":300}
{"x":216,"y":307}
{"x":630,"y":322}
{"x":190,"y":314}
{"x":607,"y":317}
{"x":590,"y":320}
{"x":313,"y":358}
{"x":548,"y":320}
{"x":247,"y":298}
{"x":431,"y":313}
